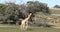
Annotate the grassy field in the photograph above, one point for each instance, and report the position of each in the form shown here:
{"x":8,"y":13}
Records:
{"x":31,"y":29}
{"x":55,"y":10}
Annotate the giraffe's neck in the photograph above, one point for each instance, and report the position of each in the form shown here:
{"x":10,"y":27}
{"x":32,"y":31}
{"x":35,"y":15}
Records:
{"x":26,"y":19}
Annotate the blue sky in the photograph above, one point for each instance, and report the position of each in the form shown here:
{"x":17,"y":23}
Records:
{"x":50,"y":3}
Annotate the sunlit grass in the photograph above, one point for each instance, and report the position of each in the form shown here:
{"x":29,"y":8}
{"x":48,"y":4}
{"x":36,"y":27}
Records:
{"x":30,"y":29}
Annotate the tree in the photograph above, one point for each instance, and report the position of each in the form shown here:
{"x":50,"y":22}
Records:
{"x":9,"y":11}
{"x":12,"y":11}
{"x":2,"y":12}
{"x":33,"y":7}
{"x":56,"y":6}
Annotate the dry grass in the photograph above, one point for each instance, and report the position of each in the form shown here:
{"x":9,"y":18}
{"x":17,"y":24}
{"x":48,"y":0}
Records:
{"x":55,"y":9}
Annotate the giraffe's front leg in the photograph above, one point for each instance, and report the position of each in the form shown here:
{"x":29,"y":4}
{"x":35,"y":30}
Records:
{"x":23,"y":26}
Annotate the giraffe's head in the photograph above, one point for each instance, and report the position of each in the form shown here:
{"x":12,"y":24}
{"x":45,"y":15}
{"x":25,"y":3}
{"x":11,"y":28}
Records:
{"x":30,"y":13}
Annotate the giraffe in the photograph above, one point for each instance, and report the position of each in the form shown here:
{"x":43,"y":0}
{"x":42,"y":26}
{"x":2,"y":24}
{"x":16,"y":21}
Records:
{"x":24,"y":22}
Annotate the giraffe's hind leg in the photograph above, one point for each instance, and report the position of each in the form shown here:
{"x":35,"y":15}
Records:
{"x":26,"y":25}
